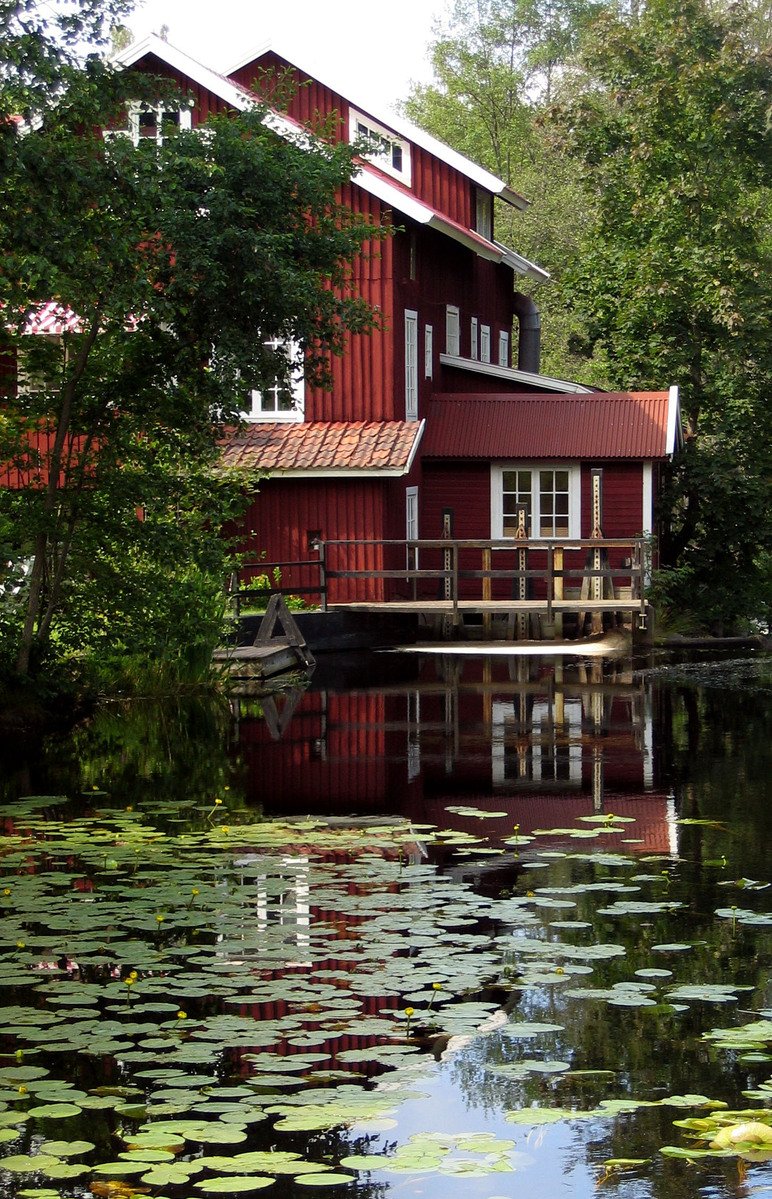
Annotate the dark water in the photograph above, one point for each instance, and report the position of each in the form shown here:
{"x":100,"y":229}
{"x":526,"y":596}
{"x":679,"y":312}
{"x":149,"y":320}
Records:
{"x":560,"y":868}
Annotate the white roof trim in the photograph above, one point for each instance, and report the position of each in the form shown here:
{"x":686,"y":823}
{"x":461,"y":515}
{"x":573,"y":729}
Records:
{"x":335,"y":472}
{"x":153,"y":44}
{"x":392,"y":121}
{"x":674,"y":438}
{"x":511,"y":374}
{"x":368,"y":180}
{"x":406,"y":204}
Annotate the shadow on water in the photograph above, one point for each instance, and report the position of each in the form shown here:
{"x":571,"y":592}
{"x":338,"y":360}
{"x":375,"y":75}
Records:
{"x":428,"y":922}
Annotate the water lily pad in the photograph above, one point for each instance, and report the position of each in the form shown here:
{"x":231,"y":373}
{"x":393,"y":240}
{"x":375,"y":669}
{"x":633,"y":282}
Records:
{"x":233,"y":1183}
{"x":324,"y":1180}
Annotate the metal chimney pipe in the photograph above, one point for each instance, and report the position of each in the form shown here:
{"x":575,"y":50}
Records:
{"x":529,"y":333}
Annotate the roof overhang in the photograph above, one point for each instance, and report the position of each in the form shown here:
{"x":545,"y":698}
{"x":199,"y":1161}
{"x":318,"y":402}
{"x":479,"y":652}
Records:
{"x":511,"y":374}
{"x":391,"y":120}
{"x":675,"y":432}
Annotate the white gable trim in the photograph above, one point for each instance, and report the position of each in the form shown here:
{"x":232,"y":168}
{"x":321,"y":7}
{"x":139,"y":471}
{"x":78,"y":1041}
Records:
{"x":392,"y":121}
{"x":367,"y":179}
{"x":511,"y":374}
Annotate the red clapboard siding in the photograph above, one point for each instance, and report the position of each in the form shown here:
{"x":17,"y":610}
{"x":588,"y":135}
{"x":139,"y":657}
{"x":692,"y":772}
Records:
{"x":622,"y":498}
{"x":277,"y":523}
{"x":205,"y":103}
{"x":363,"y":385}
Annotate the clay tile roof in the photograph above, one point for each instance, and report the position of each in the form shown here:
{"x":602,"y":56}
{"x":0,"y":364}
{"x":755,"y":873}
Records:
{"x":600,"y":425}
{"x":325,"y":447}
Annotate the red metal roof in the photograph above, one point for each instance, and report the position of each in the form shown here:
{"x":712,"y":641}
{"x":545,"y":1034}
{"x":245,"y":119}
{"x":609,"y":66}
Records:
{"x":325,"y":447}
{"x":628,"y":424}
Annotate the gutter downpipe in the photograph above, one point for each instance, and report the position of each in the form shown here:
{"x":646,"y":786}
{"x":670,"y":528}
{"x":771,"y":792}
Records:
{"x":529,"y":333}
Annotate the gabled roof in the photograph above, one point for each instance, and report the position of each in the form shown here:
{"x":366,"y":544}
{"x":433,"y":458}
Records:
{"x":629,"y":425}
{"x":368,"y":177}
{"x":397,"y":124}
{"x":325,"y":448}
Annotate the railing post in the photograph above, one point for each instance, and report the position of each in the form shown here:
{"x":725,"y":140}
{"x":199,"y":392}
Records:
{"x":486,"y":590}
{"x":550,"y":579}
{"x":454,"y":582}
{"x":559,"y":593}
{"x":322,"y":548}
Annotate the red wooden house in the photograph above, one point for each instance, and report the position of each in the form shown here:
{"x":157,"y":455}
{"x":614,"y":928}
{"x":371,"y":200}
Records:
{"x":441,"y":419}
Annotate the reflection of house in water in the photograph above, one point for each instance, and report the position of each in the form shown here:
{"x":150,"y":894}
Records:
{"x":543,"y":741}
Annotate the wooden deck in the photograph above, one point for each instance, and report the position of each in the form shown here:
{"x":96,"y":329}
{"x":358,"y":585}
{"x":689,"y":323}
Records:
{"x":446,"y":580}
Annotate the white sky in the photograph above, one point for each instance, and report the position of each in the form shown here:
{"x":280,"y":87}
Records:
{"x":376,"y":49}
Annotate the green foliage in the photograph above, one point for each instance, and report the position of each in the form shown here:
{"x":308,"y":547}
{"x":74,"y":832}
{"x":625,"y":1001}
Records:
{"x":181,"y":261}
{"x":671,"y":129}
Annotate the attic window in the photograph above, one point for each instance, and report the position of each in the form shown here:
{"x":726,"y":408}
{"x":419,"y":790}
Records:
{"x":384,"y":148}
{"x":151,"y":122}
{"x":282,"y":400}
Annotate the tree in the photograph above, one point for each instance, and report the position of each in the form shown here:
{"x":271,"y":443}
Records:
{"x":673,"y":136}
{"x":181,"y":270}
{"x":496,"y":63}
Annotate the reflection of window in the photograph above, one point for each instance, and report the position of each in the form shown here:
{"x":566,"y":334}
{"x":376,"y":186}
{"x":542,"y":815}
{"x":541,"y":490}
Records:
{"x":528,"y":743}
{"x":282,"y":400}
{"x":550,"y":495}
{"x":385,"y":149}
{"x":151,"y":122}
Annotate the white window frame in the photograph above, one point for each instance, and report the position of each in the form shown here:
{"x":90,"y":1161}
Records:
{"x":503,"y":347}
{"x":411,"y":364}
{"x":132,"y":130}
{"x":260,"y":411}
{"x":452,"y":330}
{"x":484,"y":214}
{"x":384,"y":142}
{"x":485,"y":343}
{"x":574,"y":498}
{"x":411,"y":522}
{"x":428,"y":352}
{"x":473,"y":338}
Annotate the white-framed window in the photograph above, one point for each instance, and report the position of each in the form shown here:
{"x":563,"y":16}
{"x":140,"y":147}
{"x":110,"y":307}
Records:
{"x":452,"y":330}
{"x":385,"y":149}
{"x":151,"y":122}
{"x":282,"y":400}
{"x":484,"y":214}
{"x":550,"y":493}
{"x":411,"y":365}
{"x":503,"y":348}
{"x":473,"y":326}
{"x":485,"y":343}
{"x":428,"y":352}
{"x":411,"y":524}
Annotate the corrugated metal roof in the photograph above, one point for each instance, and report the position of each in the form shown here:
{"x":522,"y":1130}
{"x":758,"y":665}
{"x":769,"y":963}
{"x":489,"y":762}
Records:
{"x":325,"y":447}
{"x":602,"y":425}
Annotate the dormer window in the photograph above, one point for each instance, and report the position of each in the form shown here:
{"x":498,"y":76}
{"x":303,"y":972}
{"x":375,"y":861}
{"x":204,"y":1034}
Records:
{"x":384,"y":148}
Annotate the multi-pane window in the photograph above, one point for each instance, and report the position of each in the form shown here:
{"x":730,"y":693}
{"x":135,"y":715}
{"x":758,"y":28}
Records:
{"x":554,"y":496}
{"x":452,"y":330}
{"x":411,"y":365}
{"x":152,"y":122}
{"x":282,"y":400}
{"x":385,"y":149}
{"x":549,"y":495}
{"x":428,"y":352}
{"x":516,"y":492}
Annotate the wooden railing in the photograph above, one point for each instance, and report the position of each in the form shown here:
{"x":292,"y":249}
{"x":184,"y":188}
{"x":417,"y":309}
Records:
{"x":531,"y":566}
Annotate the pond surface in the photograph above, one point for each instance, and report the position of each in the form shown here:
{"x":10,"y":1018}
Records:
{"x":467,"y":927}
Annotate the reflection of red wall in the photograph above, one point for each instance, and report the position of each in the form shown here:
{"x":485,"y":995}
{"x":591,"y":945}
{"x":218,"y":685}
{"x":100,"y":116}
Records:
{"x":650,"y":832}
{"x":326,"y":761}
